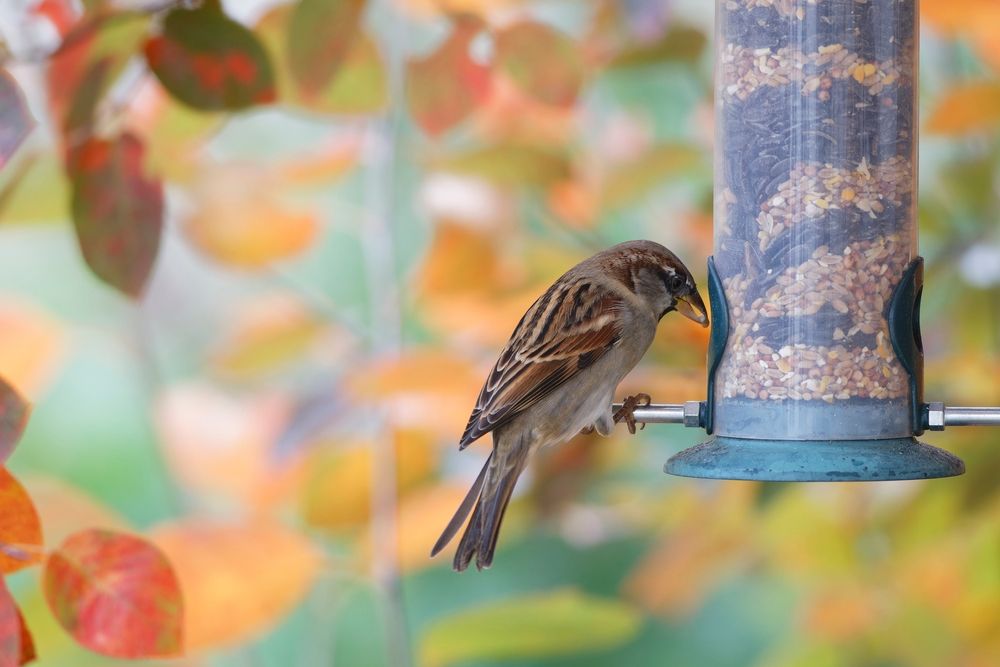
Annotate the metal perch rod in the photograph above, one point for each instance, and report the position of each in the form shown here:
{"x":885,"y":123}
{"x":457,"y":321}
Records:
{"x":939,"y":415}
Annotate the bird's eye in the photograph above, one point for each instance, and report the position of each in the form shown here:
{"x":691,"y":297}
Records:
{"x":676,"y":282}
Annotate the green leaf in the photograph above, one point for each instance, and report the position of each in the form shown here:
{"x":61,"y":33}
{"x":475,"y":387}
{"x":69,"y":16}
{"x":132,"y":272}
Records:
{"x":359,"y":86}
{"x":445,"y":87}
{"x":558,"y":623}
{"x":511,"y":165}
{"x":545,"y":63}
{"x":210,"y":62}
{"x":679,"y":44}
{"x":117,"y":211}
{"x":635,"y":179}
{"x":320,"y":36}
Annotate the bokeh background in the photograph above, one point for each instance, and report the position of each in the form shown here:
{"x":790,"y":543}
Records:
{"x":279,"y":412}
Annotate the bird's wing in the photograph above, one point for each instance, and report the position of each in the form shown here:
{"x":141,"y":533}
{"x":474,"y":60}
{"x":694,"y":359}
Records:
{"x":567,"y":329}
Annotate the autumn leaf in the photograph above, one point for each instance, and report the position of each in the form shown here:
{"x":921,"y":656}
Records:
{"x":116,"y":594}
{"x":17,"y":647}
{"x":358,"y":86}
{"x":117,"y":211}
{"x":966,"y":109}
{"x":544,"y":62}
{"x":32,"y":346}
{"x":320,"y":36}
{"x":562,"y":622}
{"x":20,"y":530}
{"x":338,"y":492}
{"x":509,"y":164}
{"x":240,"y":220}
{"x":636,"y":178}
{"x":63,"y":509}
{"x":678,"y":44}
{"x":446,"y":86}
{"x":237,"y":578}
{"x":15,"y":121}
{"x":210,"y":62}
{"x":13,"y":418}
{"x":220,"y":446}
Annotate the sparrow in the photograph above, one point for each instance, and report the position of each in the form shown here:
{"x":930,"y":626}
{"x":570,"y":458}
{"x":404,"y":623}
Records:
{"x":558,"y":373}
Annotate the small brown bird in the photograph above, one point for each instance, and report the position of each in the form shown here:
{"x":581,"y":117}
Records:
{"x":558,"y":373}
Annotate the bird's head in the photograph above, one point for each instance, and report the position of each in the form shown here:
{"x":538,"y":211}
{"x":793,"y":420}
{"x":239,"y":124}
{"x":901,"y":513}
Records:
{"x":660,"y":278}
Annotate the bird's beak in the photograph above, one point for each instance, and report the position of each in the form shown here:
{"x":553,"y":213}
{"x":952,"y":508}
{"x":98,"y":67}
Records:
{"x":693,"y":308}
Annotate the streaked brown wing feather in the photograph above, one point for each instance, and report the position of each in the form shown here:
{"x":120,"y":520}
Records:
{"x":568,"y":329}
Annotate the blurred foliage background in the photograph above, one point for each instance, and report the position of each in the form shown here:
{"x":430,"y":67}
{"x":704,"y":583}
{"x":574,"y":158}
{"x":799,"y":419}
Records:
{"x":340,"y":264}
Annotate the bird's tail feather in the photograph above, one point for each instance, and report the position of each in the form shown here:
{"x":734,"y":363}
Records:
{"x":493,"y":487}
{"x":463,"y":511}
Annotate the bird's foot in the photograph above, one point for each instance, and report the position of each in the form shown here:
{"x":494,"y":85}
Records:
{"x":626,"y":412}
{"x":587,"y":430}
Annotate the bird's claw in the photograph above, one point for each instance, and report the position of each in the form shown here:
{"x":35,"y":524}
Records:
{"x":626,"y":412}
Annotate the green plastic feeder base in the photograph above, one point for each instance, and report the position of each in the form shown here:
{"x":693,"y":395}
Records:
{"x":723,"y":457}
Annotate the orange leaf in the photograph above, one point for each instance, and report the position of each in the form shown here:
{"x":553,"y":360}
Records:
{"x":63,"y":509}
{"x":238,"y":578}
{"x":13,"y":418}
{"x":966,"y":109}
{"x":446,"y":86}
{"x":116,"y":594}
{"x":17,"y":647}
{"x":421,"y":517}
{"x":220,"y":445}
{"x":240,"y":221}
{"x":20,"y":529}
{"x":32,"y":344}
{"x":422,"y":389}
{"x":841,"y":613}
{"x":544,"y":62}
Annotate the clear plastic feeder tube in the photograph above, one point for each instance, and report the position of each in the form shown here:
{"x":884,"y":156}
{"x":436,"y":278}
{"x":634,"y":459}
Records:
{"x":815,"y":198}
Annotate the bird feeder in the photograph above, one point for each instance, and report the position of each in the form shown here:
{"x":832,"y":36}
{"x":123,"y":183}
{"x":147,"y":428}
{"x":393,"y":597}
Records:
{"x":815,"y":361}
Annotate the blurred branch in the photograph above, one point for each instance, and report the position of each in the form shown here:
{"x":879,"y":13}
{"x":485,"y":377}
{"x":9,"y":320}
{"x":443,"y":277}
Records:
{"x":384,"y":301}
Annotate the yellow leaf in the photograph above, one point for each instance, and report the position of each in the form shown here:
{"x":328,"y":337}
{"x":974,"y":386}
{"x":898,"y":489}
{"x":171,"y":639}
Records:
{"x":338,"y":494}
{"x":238,"y":579}
{"x":563,"y":622}
{"x":238,"y":219}
{"x":965,"y":109}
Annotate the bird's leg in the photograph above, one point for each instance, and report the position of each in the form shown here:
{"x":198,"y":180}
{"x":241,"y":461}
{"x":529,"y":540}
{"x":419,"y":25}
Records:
{"x":626,"y":412}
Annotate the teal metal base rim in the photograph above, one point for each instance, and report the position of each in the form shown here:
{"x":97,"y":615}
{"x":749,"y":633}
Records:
{"x":722,"y":457}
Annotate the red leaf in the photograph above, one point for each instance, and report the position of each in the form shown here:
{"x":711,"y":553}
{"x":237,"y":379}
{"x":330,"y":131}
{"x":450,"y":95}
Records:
{"x":447,"y":86}
{"x":320,"y":36}
{"x":15,"y":121}
{"x":13,"y":418}
{"x":116,"y":594}
{"x":16,"y":644}
{"x":20,"y":530}
{"x":544,"y":63}
{"x":210,"y":62}
{"x":117,"y":211}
